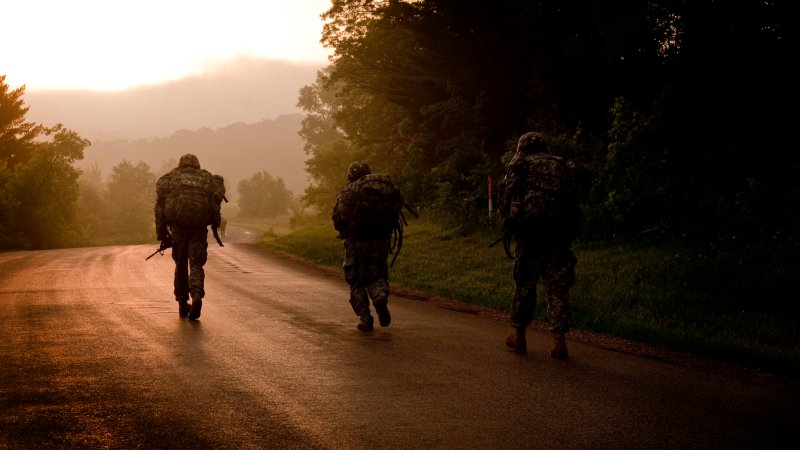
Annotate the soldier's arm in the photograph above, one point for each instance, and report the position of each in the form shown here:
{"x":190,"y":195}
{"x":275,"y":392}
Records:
{"x":162,"y":185}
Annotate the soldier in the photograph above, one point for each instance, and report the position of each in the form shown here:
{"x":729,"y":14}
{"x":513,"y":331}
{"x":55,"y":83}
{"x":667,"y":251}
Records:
{"x":367,"y":241}
{"x":539,"y":204}
{"x":187,"y":201}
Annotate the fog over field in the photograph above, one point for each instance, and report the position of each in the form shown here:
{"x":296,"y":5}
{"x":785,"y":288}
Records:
{"x":240,"y":118}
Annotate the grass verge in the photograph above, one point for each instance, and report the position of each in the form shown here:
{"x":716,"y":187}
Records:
{"x":725,"y":305}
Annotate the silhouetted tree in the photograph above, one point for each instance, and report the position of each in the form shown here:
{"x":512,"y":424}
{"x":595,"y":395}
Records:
{"x":682,"y":109}
{"x":16,"y":134}
{"x":46,"y":189}
{"x":130,"y":197}
{"x":38,"y":180}
{"x":263,"y":195}
{"x":91,"y":201}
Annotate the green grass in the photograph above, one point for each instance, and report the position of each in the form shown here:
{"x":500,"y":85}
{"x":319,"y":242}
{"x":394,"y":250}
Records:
{"x":729,"y":305}
{"x":271,"y":227}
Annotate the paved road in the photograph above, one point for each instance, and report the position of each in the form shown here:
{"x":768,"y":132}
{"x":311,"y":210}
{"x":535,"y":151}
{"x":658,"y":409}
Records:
{"x":94,"y":355}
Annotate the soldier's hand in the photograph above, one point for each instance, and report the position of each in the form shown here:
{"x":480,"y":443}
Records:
{"x":162,"y":234}
{"x":166,"y":242}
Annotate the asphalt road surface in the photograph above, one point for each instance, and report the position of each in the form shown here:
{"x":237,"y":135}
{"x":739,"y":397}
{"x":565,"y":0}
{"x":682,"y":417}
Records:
{"x":94,"y":355}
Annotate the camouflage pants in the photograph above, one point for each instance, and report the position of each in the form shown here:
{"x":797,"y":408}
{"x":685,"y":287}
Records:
{"x":556,"y":268}
{"x":367,"y":273}
{"x":190,"y":253}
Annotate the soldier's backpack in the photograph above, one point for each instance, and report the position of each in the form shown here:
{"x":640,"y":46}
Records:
{"x":194,"y":198}
{"x":371,"y":206}
{"x":537,"y":186}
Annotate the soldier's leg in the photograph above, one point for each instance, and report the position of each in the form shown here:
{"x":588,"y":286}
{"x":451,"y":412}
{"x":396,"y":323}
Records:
{"x":378,"y":291}
{"x":359,"y":299}
{"x":180,"y":254}
{"x":198,"y":255}
{"x":377,"y":272}
{"x":558,"y":278}
{"x":181,"y":276}
{"x":526,"y":276}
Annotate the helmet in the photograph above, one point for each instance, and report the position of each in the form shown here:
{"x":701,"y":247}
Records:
{"x":189,"y":160}
{"x":357,"y":170}
{"x":531,"y":142}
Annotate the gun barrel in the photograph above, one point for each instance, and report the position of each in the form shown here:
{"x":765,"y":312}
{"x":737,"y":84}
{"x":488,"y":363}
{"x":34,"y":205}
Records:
{"x":497,"y":241}
{"x":216,"y":236}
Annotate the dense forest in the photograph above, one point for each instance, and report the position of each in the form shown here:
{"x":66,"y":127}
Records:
{"x":681,"y":110}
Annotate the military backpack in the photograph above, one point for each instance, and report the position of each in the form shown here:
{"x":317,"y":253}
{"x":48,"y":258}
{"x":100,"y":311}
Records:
{"x":371,"y":207}
{"x":535,"y":192}
{"x":368,"y":207}
{"x":194,"y":198}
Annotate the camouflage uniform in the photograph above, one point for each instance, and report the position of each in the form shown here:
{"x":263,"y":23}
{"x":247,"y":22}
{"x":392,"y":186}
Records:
{"x":190,"y":253}
{"x":367,"y":273}
{"x":189,"y":244}
{"x":365,"y":267}
{"x":541,"y":252}
{"x":555,"y":266}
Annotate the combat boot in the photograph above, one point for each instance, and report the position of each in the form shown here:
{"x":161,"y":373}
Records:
{"x":183,"y":308}
{"x":559,"y":350}
{"x":197,"y":305}
{"x":384,"y":318}
{"x":365,"y":324}
{"x":516,"y":341}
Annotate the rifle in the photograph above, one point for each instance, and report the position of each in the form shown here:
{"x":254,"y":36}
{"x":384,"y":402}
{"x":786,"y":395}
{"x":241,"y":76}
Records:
{"x":165,"y":244}
{"x":216,"y":236}
{"x":214,"y":228}
{"x":397,"y":238}
{"x":506,"y":238}
{"x":496,"y":241}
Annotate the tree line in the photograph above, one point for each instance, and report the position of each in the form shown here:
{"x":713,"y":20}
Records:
{"x":681,"y":110}
{"x":47,"y":202}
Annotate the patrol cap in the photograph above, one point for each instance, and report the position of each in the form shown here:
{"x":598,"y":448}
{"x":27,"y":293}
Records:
{"x":357,"y":170}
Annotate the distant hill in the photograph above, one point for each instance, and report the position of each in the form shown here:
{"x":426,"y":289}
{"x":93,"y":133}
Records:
{"x":243,"y":90}
{"x":236,"y":151}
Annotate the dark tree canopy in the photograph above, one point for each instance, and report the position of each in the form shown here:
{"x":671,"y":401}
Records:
{"x":38,"y":179}
{"x":16,"y":134}
{"x":681,"y":109}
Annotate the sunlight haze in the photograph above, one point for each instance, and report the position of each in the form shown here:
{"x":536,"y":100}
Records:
{"x":112,"y":45}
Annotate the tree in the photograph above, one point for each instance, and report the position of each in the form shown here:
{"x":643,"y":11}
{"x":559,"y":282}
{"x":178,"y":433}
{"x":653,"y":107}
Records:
{"x":38,"y":180}
{"x":419,"y":82}
{"x":707,"y":158}
{"x":9,"y":205}
{"x":16,"y":134}
{"x":328,"y":170}
{"x":685,"y":109}
{"x":262,"y":195}
{"x":130,"y":196}
{"x":320,"y":102}
{"x":92,"y":200}
{"x":330,"y":154}
{"x":46,"y":188}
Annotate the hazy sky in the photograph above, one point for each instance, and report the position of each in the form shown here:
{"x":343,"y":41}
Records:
{"x":116,"y":44}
